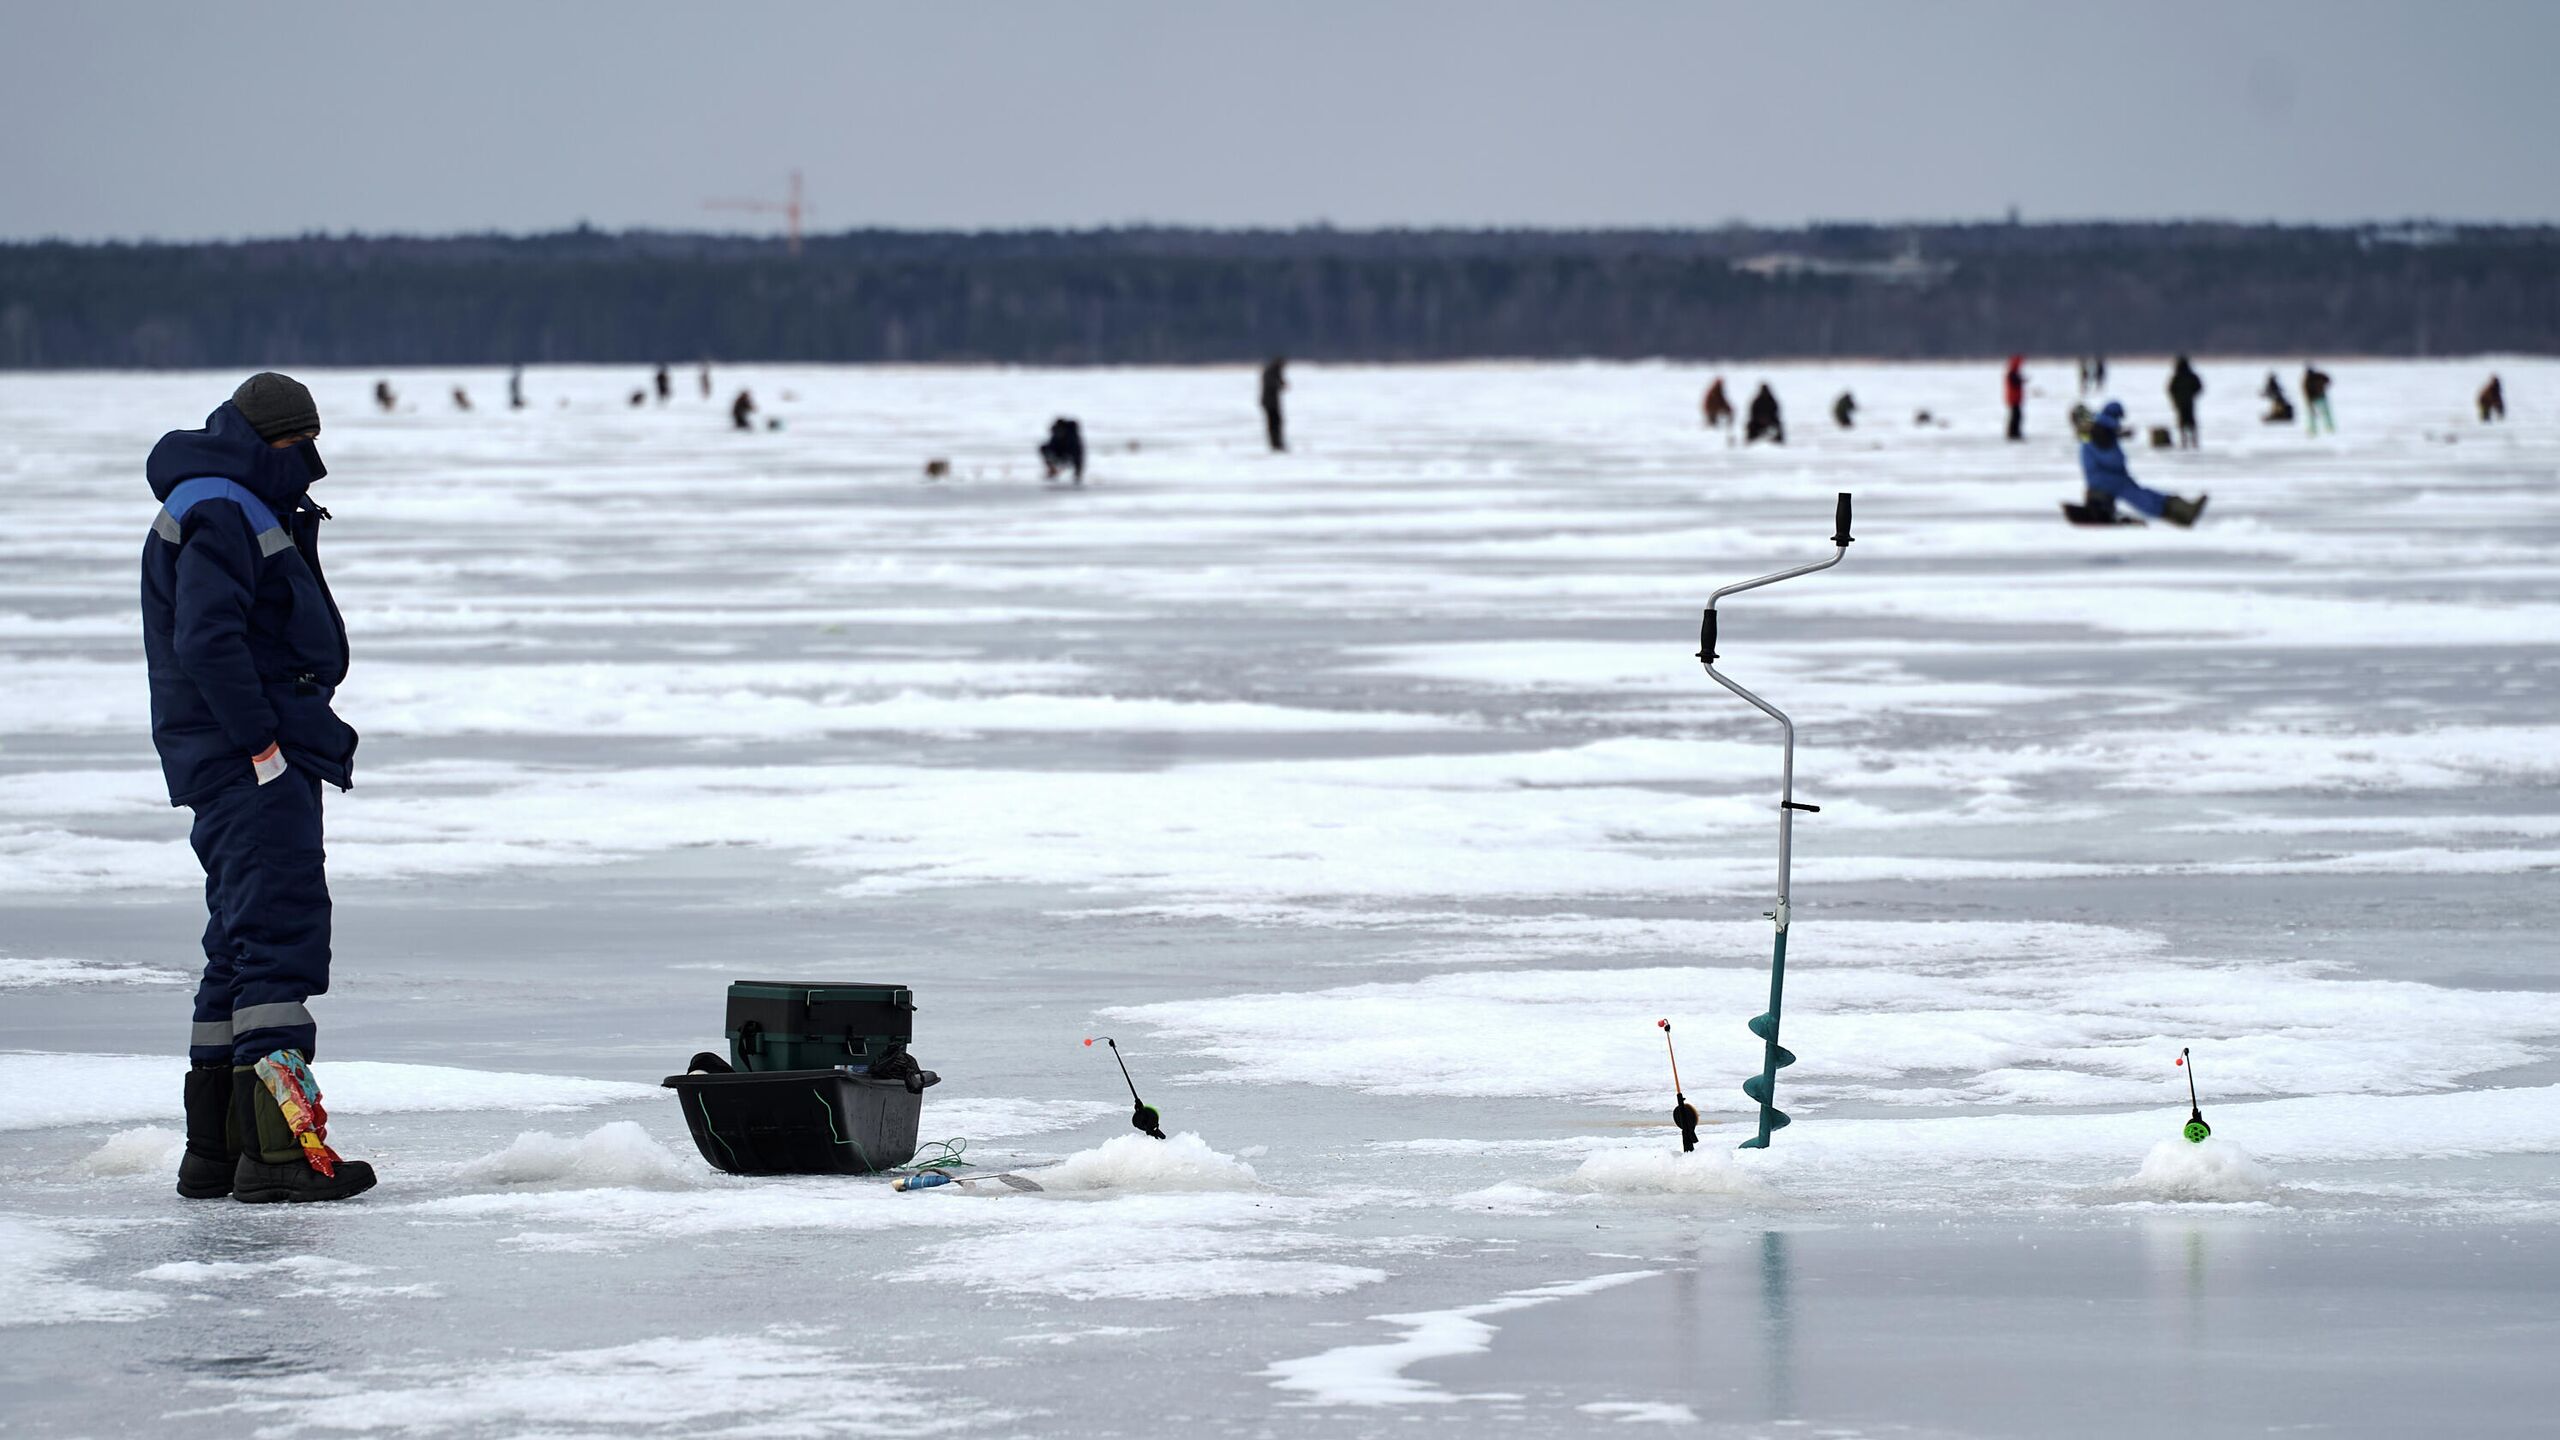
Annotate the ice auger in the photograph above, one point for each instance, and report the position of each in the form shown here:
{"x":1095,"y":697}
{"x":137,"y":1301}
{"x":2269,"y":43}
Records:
{"x":1763,"y":1087}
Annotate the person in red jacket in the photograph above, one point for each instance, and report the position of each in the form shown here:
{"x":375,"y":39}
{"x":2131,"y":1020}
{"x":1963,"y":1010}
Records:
{"x":1717,"y":407}
{"x":2013,"y":388}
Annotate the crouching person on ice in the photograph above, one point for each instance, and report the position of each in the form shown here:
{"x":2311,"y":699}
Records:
{"x":245,"y":649}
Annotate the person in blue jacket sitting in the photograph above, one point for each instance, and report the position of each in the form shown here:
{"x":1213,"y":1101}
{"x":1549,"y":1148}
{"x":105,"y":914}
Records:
{"x":2102,"y":466}
{"x":245,"y":649}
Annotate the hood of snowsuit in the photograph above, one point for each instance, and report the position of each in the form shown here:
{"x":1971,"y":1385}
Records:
{"x":228,"y":448}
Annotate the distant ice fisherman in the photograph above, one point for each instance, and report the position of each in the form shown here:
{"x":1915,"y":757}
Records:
{"x":2279,"y":404}
{"x":2315,"y":400}
{"x":1764,"y":422}
{"x":2184,"y":386}
{"x":1274,"y":380}
{"x":1717,"y":407}
{"x":1064,"y":449}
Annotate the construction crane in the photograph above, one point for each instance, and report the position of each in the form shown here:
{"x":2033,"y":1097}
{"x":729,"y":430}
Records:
{"x":790,"y":209}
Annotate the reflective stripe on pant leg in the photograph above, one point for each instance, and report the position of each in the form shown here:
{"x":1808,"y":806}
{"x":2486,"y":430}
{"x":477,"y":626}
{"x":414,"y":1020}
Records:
{"x":268,"y":1017}
{"x":281,"y":920}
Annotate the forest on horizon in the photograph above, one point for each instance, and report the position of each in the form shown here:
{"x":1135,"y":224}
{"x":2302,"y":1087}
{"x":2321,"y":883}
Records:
{"x":1177,"y":296}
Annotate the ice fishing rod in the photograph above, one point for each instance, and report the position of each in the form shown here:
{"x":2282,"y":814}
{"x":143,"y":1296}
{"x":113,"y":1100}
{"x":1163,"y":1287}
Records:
{"x":1763,"y":1087}
{"x":1144,"y":1117}
{"x":2196,"y":1130}
{"x":1683,"y":1114}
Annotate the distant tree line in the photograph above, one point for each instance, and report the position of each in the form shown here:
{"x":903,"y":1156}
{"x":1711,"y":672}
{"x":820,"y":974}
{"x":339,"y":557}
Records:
{"x":1183,"y":296}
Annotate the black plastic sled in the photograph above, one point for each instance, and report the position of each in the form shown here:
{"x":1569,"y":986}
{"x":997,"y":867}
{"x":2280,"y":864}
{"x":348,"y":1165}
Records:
{"x":801,"y":1122}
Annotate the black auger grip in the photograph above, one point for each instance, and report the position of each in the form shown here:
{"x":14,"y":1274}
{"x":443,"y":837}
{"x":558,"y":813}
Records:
{"x":1707,"y":637}
{"x":1840,"y":522}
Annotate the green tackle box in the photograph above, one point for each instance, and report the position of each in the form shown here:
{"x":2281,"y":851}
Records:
{"x":817,"y":1024}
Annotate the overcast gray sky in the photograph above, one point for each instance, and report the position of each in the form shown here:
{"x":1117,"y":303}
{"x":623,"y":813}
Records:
{"x":172,"y":120}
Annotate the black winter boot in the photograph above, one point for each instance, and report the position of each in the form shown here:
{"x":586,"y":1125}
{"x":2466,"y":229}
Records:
{"x":213,"y":1142}
{"x":2182,"y":512}
{"x":272,"y":1168}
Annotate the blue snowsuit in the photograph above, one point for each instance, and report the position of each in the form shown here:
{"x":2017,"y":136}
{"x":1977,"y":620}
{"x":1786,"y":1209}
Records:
{"x":2103,"y":467}
{"x":245,"y":648}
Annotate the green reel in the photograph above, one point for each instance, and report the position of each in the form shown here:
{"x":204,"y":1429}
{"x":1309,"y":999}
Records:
{"x":2197,"y":1130}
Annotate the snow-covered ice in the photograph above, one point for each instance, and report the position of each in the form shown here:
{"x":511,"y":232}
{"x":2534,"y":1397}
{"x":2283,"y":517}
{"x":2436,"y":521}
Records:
{"x":1372,"y":798}
{"x":620,"y":1155}
{"x":39,"y":1089}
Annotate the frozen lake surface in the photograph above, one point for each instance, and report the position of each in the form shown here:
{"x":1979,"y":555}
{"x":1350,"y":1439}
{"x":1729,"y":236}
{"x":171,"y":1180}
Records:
{"x":1372,"y":797}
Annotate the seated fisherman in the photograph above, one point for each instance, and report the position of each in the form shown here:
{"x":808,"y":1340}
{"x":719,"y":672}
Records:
{"x":2102,"y":465}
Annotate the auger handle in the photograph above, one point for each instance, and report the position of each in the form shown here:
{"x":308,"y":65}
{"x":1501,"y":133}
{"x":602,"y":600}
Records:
{"x":1840,"y":538}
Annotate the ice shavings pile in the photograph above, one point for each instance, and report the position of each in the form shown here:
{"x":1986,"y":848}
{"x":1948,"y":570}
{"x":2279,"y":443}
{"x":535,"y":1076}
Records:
{"x":2214,"y":1169}
{"x":150,"y":1150}
{"x":1141,"y":1164}
{"x":1662,"y":1170}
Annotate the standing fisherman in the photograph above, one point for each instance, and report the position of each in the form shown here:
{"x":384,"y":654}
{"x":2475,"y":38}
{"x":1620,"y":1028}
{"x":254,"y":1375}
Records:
{"x":2013,"y":389}
{"x":2184,"y":386}
{"x":2315,"y":399}
{"x":1764,"y":421}
{"x":245,"y":649}
{"x":1718,"y":408}
{"x":1273,"y":382}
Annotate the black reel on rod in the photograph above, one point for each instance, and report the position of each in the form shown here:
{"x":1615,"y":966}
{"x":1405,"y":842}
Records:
{"x":1683,"y":1114}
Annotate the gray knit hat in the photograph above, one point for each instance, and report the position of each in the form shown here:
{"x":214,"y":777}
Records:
{"x":277,"y":405}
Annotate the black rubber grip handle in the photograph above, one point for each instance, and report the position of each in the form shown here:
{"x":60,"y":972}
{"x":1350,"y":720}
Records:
{"x":1840,"y":522}
{"x":1707,"y":637}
